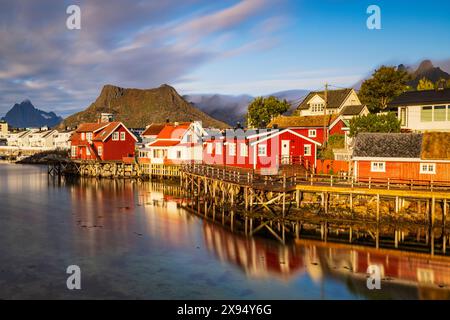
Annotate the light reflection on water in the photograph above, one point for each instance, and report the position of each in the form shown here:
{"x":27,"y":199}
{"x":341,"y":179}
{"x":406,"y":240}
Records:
{"x":131,"y":240}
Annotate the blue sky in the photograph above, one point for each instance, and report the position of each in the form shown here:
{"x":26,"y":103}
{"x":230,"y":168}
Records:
{"x":198,"y":46}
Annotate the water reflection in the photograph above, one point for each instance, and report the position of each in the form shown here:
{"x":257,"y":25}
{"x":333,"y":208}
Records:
{"x":133,"y":240}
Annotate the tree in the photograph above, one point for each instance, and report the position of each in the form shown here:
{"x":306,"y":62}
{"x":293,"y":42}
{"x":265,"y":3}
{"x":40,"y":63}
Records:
{"x":386,"y":83}
{"x":385,"y":122}
{"x":425,"y":84}
{"x":262,"y":110}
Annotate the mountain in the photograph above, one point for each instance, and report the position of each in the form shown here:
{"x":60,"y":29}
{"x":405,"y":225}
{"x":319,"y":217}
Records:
{"x":227,"y":108}
{"x":137,"y":108}
{"x":25,"y":115}
{"x":232,"y":108}
{"x":427,"y":70}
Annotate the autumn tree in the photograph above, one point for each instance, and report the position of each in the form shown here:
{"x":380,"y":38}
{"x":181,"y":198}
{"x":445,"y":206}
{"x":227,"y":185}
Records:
{"x":425,"y":84}
{"x":385,"y":122}
{"x":385,"y":84}
{"x":262,"y":110}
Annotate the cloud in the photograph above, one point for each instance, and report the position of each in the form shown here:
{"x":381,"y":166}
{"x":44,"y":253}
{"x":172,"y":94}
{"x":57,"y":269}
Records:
{"x":127,"y":43}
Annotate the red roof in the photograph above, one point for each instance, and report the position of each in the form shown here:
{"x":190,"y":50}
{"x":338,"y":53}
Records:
{"x":164,"y":143}
{"x":90,"y":127}
{"x":154,"y":129}
{"x":172,"y":131}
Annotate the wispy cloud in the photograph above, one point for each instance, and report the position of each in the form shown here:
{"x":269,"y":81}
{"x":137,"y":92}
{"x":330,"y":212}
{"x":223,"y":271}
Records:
{"x":128,"y":43}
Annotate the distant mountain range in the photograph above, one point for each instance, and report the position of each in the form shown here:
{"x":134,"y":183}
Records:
{"x":137,"y":108}
{"x":426,"y":69}
{"x":25,"y":115}
{"x":233,"y":108}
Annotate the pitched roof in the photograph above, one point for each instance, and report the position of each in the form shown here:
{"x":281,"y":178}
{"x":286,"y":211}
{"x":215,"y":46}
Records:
{"x":354,"y":110}
{"x":172,"y":131}
{"x":335,"y":98}
{"x":302,"y":121}
{"x":90,"y":127}
{"x":107,"y":131}
{"x":436,"y":146}
{"x":388,"y":145}
{"x":421,"y":97}
{"x":154,"y":129}
{"x":163,"y":143}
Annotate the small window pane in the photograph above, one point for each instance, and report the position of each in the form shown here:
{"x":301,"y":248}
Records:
{"x":426,"y":114}
{"x":439,"y":113}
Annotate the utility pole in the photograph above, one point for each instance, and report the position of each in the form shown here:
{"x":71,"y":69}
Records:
{"x":325,"y":135}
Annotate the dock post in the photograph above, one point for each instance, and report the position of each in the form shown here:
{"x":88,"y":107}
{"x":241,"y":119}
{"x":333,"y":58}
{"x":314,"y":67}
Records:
{"x":396,"y":238}
{"x":297,"y":198}
{"x":433,"y":210}
{"x":351,"y":202}
{"x":378,"y":208}
{"x":350,"y":235}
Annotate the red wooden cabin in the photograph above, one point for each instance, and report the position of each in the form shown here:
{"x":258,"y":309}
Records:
{"x":403,"y":156}
{"x":263,"y":150}
{"x":102,"y":141}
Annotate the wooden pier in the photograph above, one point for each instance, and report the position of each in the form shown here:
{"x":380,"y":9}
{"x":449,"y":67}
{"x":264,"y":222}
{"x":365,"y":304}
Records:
{"x":280,"y":205}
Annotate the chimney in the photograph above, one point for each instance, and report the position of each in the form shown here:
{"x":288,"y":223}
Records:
{"x":275,"y":126}
{"x":175,"y":124}
{"x":106,"y":117}
{"x":167,"y":120}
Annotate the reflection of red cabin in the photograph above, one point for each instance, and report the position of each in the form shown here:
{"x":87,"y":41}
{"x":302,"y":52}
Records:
{"x":264,"y":151}
{"x":102,"y":141}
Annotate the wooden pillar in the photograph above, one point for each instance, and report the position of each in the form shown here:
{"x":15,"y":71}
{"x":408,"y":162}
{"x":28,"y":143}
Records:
{"x":433,"y":210}
{"x":351,"y":202}
{"x":377,"y":238}
{"x":350,"y":235}
{"x":378,"y":208}
{"x":396,"y":238}
{"x":297,"y":198}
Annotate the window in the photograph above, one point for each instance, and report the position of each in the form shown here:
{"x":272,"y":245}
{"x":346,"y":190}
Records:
{"x":188,"y":138}
{"x":244,"y":150}
{"x":115,"y":136}
{"x":218,"y":148}
{"x":178,"y":154}
{"x":262,"y":150}
{"x":312,"y":133}
{"x":307,"y":150}
{"x":83,"y":136}
{"x":122,"y":136}
{"x":378,"y":167}
{"x":428,"y":168}
{"x":89,"y":136}
{"x":209,"y":148}
{"x":403,"y":117}
{"x":426,"y":114}
{"x":440,"y":113}
{"x":74,"y":152}
{"x":232,"y":149}
{"x":100,"y":151}
{"x":88,"y":151}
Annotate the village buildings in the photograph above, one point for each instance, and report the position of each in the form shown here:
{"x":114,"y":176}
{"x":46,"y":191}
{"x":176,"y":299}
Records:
{"x":339,"y":102}
{"x":421,"y":111}
{"x":402,"y":156}
{"x":103,"y":141}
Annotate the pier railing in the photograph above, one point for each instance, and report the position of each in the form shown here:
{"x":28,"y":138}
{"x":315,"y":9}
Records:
{"x":251,"y":178}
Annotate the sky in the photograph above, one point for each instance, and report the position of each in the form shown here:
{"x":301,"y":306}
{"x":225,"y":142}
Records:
{"x":254,"y":47}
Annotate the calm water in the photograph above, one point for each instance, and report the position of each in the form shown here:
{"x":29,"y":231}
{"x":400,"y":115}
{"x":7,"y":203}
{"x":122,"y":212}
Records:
{"x":132,"y":241}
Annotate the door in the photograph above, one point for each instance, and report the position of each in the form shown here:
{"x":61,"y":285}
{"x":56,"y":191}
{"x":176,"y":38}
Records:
{"x":285,"y":151}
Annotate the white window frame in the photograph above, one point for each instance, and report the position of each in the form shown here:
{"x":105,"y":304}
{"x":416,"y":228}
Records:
{"x":312,"y":133}
{"x":307,"y":147}
{"x":179,"y":154}
{"x":122,"y":136}
{"x":243,"y":149}
{"x":218,"y":148}
{"x":262,"y":150}
{"x":428,"y":168}
{"x":83,"y":136}
{"x":232,"y":149}
{"x":73,"y":151}
{"x":377,"y":166}
{"x":209,"y":148}
{"x":88,"y":151}
{"x":115,"y":136}
{"x":100,"y":151}
{"x":89,"y":136}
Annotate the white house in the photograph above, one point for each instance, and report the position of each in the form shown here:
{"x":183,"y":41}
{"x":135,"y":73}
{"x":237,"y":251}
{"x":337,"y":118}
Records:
{"x":176,"y":143}
{"x":43,"y":140}
{"x":343,"y":101}
{"x":422,"y":111}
